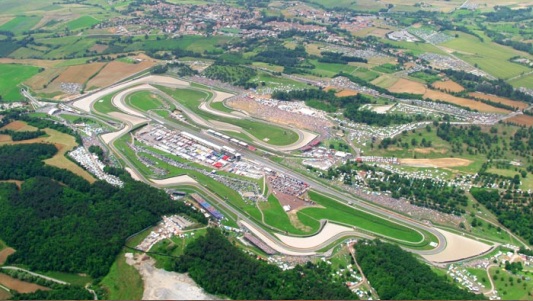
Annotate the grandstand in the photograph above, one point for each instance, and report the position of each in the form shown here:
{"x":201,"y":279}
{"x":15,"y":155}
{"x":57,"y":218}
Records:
{"x":214,"y":212}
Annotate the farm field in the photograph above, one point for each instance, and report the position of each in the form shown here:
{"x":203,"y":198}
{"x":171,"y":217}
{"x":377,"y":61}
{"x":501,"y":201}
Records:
{"x":448,"y":85}
{"x":82,"y":22}
{"x":20,"y":24}
{"x":365,"y":74}
{"x":70,"y":46}
{"x":192,"y":43}
{"x":12,"y":76}
{"x":40,"y":81}
{"x":370,"y":5}
{"x":526,"y":82}
{"x":521,"y":120}
{"x":4,"y":254}
{"x":490,"y":57}
{"x":115,"y":72}
{"x":4,"y":295}
{"x":437,"y":163}
{"x":329,"y":70}
{"x":475,"y":105}
{"x":386,"y":81}
{"x":78,"y":73}
{"x":65,"y":143}
{"x":20,"y":286}
{"x":513,"y":103}
{"x":408,"y":86}
{"x":346,"y":92}
{"x":16,"y":7}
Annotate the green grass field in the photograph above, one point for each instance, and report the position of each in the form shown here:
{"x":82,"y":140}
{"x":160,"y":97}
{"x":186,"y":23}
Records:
{"x":74,"y":47}
{"x":338,"y":212}
{"x":365,"y":74}
{"x":12,"y":76}
{"x":481,"y":275}
{"x":488,"y":56}
{"x":386,"y":68}
{"x":385,"y":80}
{"x":145,"y":101}
{"x":193,"y":43}
{"x":525,"y":81}
{"x":275,"y":216}
{"x":350,"y":4}
{"x":219,"y":106}
{"x":105,"y":105}
{"x":82,"y":22}
{"x":20,"y":7}
{"x":329,"y":70}
{"x":75,"y":279}
{"x":123,"y":282}
{"x":271,"y":67}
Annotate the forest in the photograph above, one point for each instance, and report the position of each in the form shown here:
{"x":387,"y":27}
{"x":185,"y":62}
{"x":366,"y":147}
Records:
{"x":513,"y":210}
{"x":222,"y":269}
{"x":475,"y":140}
{"x":425,"y":192}
{"x":23,"y":135}
{"x":280,"y":55}
{"x":79,"y":228}
{"x":339,"y":58}
{"x":231,"y":73}
{"x":397,"y":275}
